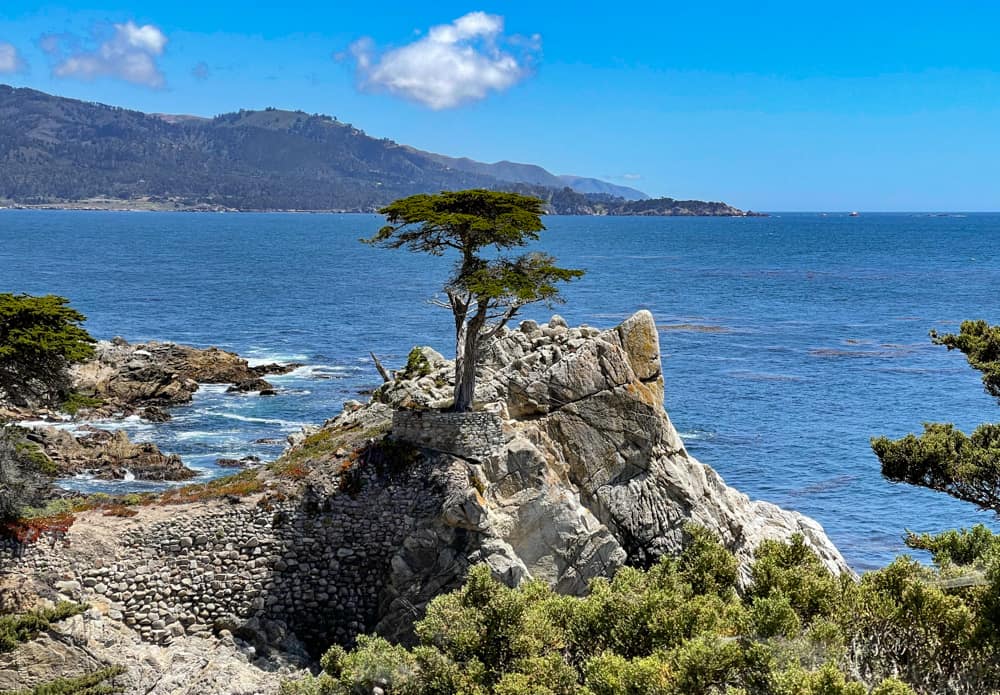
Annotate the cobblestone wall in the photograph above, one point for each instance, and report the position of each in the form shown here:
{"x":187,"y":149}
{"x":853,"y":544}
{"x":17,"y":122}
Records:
{"x":313,"y":567}
{"x":468,"y":435}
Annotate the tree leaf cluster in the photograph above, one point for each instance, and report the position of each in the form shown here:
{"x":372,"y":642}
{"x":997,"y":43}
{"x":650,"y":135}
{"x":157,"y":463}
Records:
{"x":486,"y":288}
{"x":39,"y":338}
{"x":25,"y":474}
{"x":943,"y":458}
{"x":980,"y":343}
{"x":682,"y":628}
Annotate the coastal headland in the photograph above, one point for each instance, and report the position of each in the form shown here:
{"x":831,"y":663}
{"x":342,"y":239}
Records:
{"x":568,"y":471}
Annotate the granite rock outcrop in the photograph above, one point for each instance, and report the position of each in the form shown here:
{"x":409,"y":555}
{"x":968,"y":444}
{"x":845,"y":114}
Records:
{"x":592,"y":473}
{"x":129,"y":378}
{"x":106,"y":455}
{"x":568,"y":469}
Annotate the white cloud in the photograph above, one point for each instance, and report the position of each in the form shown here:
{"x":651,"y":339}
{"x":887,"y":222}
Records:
{"x":452,"y":65}
{"x":10,"y":59}
{"x":129,"y":54}
{"x":631,"y":177}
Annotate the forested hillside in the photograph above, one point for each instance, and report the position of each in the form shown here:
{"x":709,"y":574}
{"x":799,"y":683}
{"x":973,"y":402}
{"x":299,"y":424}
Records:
{"x":56,"y":151}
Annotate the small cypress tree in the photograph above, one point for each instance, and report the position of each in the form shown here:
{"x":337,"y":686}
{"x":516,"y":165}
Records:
{"x":39,"y":338}
{"x":483,"y":294}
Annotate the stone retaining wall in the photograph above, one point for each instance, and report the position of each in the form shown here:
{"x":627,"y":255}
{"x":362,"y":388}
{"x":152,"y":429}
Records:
{"x":313,"y":567}
{"x":473,"y":435}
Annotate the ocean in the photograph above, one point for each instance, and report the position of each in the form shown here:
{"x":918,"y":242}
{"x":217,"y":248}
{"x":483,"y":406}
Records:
{"x":788,"y":341}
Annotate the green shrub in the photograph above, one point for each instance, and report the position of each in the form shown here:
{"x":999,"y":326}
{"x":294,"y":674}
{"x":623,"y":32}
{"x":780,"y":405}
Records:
{"x":33,"y":457}
{"x":680,"y":628}
{"x":417,"y":364}
{"x":17,"y":629}
{"x":968,"y":547}
{"x":793,"y":570}
{"x":706,"y":565}
{"x":75,"y":402}
{"x":99,"y":682}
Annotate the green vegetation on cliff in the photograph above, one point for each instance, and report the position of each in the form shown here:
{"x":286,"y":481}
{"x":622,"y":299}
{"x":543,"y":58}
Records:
{"x":24,"y":474}
{"x":99,"y":682}
{"x":682,"y":628}
{"x":566,"y":201}
{"x":17,"y":629}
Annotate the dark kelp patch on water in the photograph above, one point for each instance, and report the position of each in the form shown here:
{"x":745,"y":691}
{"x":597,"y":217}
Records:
{"x":692,"y":328}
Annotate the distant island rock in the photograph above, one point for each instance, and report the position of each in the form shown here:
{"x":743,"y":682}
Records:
{"x":64,"y":153}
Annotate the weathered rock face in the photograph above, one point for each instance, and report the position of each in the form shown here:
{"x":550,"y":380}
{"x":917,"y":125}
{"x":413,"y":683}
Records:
{"x":570,"y":470}
{"x":193,"y":665}
{"x":130,"y":377}
{"x":592,"y":474}
{"x":593,"y":457}
{"x":107,"y":455}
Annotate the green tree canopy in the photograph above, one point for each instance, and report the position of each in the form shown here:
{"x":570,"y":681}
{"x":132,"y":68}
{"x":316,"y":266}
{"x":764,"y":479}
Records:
{"x":487,"y":288}
{"x":23,"y":473}
{"x":39,"y":338}
{"x":943,"y":458}
{"x":980,"y":342}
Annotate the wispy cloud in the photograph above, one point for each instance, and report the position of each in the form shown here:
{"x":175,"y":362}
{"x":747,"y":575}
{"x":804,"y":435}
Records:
{"x":130,"y":53}
{"x":631,"y":177}
{"x":10,"y":59}
{"x":201,"y":71}
{"x":453,"y":64}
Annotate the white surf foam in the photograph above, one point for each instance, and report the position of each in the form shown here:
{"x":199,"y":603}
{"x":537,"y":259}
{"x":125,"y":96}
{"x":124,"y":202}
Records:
{"x":262,"y":420}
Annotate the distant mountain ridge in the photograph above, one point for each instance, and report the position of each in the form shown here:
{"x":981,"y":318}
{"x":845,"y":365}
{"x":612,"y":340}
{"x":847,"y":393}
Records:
{"x":58,"y":152}
{"x":536,"y":175}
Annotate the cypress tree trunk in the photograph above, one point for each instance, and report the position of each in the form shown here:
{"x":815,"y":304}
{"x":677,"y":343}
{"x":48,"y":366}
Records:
{"x":466,"y":359}
{"x":465,"y":378}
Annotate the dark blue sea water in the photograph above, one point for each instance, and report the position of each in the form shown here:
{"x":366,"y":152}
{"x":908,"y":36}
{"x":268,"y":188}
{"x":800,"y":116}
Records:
{"x":818,"y":333}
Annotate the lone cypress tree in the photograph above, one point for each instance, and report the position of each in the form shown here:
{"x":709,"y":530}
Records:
{"x":483,"y":293}
{"x":943,"y":458}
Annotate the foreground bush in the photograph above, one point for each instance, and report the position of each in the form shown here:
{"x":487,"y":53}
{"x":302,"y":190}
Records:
{"x":681,"y":628}
{"x":100,"y":682}
{"x":16,"y":629}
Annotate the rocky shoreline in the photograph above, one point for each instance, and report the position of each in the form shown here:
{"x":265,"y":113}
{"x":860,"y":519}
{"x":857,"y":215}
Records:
{"x":124,"y":380}
{"x":570,"y":470}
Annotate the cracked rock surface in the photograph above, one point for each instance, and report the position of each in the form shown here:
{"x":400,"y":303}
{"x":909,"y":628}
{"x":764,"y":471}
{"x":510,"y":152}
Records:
{"x":592,"y":475}
{"x":569,"y":469}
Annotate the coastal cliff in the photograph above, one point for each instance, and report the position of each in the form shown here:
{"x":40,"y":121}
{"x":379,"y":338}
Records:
{"x":569,"y":470}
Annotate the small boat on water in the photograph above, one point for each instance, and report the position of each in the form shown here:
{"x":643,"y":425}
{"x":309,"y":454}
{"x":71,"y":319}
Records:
{"x":854,"y":214}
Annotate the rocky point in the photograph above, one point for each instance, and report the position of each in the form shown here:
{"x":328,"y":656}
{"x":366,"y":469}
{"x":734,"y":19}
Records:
{"x":568,"y":469}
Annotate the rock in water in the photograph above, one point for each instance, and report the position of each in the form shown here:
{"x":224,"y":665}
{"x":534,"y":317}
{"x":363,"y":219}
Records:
{"x":128,"y":377}
{"x":107,"y":455}
{"x":251,"y":385}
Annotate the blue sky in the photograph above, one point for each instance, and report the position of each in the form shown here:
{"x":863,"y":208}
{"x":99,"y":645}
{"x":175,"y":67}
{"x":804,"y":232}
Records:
{"x":768,"y":105}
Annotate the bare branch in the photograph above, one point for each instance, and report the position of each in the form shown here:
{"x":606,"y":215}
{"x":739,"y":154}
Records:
{"x":507,"y":316}
{"x":380,"y":368}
